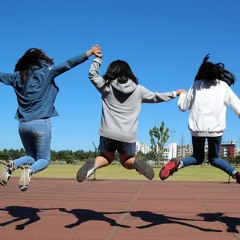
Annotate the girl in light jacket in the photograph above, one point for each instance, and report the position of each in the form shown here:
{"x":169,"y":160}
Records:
{"x":207,"y":100}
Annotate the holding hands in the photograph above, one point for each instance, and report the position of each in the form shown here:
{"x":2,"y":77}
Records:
{"x":179,"y":91}
{"x":95,"y":50}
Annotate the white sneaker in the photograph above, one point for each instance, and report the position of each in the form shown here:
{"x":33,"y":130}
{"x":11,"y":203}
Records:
{"x":6,"y":172}
{"x":25,"y":178}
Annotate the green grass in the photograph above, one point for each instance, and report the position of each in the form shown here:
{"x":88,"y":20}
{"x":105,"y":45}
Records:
{"x":193,"y":173}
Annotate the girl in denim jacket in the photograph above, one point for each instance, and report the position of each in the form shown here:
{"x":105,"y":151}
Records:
{"x":36,"y":91}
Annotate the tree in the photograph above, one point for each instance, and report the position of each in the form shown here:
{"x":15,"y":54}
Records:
{"x":159,"y":137}
{"x":150,"y":155}
{"x":4,"y":155}
{"x":15,"y":153}
{"x":237,"y":160}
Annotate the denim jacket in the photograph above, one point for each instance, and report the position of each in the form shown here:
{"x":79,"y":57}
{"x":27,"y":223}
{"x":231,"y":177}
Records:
{"x":36,"y":97}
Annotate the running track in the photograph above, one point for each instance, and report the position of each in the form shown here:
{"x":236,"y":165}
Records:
{"x":64,"y":209}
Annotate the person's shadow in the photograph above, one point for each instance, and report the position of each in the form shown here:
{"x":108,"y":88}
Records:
{"x":230,"y":222}
{"x":22,"y":213}
{"x":84,"y":215}
{"x":158,"y":219}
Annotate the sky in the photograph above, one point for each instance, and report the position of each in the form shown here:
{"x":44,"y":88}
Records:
{"x":164,"y":42}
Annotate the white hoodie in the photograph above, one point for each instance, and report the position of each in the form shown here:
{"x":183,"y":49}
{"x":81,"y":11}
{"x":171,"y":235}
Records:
{"x":207,"y":102}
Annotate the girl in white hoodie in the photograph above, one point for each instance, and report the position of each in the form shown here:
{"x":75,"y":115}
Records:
{"x":207,"y":100}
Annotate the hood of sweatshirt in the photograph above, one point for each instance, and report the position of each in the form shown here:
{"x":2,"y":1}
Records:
{"x":124,"y":87}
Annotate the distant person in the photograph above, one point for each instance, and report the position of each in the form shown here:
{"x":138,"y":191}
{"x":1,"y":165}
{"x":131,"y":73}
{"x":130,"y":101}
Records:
{"x":207,"y":100}
{"x":122,"y":97}
{"x":33,"y":83}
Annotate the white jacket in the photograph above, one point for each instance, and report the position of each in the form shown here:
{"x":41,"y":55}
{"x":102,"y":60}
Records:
{"x":207,"y":102}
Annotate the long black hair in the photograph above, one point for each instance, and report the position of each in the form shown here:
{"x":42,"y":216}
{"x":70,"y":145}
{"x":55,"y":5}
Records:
{"x":119,"y":70}
{"x":211,"y":71}
{"x":32,"y":57}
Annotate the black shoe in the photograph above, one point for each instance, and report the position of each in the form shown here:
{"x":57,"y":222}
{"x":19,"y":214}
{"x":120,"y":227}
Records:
{"x":83,"y":171}
{"x":143,"y":168}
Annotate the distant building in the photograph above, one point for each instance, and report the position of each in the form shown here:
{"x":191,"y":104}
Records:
{"x":237,"y":151}
{"x":184,"y":151}
{"x":170,"y":151}
{"x":142,"y":147}
{"x":228,"y":149}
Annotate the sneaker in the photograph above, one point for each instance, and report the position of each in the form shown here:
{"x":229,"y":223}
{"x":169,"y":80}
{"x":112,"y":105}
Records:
{"x":26,"y":173}
{"x":143,"y":168}
{"x":169,"y":168}
{"x":86,"y":170}
{"x":6,"y":172}
{"x":237,"y":177}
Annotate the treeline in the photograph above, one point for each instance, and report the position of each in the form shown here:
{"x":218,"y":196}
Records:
{"x":74,"y":157}
{"x":68,"y":156}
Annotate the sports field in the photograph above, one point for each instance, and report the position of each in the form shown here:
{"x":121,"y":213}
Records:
{"x":197,"y":173}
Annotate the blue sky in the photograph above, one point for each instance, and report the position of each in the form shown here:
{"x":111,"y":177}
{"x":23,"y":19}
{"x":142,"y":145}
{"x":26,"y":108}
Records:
{"x":163,"y":41}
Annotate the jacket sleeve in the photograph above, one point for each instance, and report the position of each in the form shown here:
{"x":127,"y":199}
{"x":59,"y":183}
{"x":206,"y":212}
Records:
{"x":69,"y":64}
{"x":6,"y":78}
{"x":156,"y":97}
{"x":184,"y":101}
{"x":94,"y":76}
{"x":233,"y":101}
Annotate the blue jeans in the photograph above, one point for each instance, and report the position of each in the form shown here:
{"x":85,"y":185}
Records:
{"x":36,"y":139}
{"x":214,"y":144}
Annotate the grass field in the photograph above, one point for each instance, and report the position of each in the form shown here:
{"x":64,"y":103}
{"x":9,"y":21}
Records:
{"x":193,"y":173}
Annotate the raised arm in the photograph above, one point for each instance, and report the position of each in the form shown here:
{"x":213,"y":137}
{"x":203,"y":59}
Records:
{"x":75,"y":61}
{"x":6,"y":78}
{"x":156,"y":97}
{"x":94,"y":76}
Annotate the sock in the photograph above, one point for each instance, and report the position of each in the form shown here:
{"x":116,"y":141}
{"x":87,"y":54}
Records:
{"x":234,"y":174}
{"x":12,"y":167}
{"x":31,"y":173}
{"x":180,"y":164}
{"x":92,"y":170}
